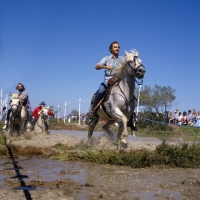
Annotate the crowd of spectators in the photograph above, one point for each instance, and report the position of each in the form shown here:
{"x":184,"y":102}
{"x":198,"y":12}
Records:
{"x":191,"y":118}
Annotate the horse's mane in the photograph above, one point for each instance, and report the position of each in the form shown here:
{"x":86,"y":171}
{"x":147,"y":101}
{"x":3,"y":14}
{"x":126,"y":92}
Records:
{"x":128,"y":57}
{"x":14,"y":96}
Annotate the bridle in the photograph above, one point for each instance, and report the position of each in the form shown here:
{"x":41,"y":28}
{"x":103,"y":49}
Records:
{"x":18,"y":110}
{"x":130,"y":65}
{"x":43,"y":118}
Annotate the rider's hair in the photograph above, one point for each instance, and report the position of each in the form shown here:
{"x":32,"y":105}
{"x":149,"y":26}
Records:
{"x":110,"y":47}
{"x":21,"y":85}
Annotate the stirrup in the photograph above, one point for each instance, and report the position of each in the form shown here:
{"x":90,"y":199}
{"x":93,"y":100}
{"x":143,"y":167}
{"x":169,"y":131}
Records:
{"x":91,"y":116}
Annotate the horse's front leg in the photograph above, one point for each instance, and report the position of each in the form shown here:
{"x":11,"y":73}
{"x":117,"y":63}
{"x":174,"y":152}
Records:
{"x":106,"y":126}
{"x":91,"y":128}
{"x":124,"y":133}
{"x":22,"y":127}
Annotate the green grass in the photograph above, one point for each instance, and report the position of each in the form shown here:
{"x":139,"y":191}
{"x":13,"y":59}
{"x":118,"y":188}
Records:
{"x":184,"y":156}
{"x":2,"y":141}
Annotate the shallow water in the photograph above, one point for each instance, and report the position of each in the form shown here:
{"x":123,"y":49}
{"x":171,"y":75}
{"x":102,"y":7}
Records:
{"x":87,"y":181}
{"x":153,"y":139}
{"x":95,"y":180}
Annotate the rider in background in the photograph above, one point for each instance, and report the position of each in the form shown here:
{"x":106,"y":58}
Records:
{"x":24,"y":99}
{"x":36,"y":114}
{"x":109,"y":64}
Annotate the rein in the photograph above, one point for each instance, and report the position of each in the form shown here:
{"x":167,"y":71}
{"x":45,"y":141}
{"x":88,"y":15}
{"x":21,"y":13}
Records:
{"x":16,"y":114}
{"x":42,"y":119}
{"x":42,"y":122}
{"x":138,"y":82}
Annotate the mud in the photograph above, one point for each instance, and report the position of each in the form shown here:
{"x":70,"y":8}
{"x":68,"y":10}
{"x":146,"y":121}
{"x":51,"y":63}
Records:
{"x":23,"y":178}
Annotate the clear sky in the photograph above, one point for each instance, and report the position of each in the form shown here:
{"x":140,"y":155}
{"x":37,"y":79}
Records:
{"x":52,"y":46}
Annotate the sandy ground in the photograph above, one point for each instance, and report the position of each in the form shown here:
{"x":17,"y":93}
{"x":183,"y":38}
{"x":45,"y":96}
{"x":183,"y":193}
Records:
{"x":22,"y":178}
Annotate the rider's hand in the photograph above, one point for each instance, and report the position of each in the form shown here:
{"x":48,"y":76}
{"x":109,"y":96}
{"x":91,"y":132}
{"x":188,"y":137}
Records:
{"x":109,"y":67}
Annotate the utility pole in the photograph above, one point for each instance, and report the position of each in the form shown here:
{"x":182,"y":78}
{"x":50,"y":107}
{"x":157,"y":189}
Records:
{"x":65,"y":111}
{"x":79,"y":112}
{"x":58,"y":114}
{"x":1,"y":100}
{"x":79,"y":103}
{"x":138,"y":99}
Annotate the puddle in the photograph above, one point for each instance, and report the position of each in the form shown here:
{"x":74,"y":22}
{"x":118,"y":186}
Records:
{"x":82,"y":180}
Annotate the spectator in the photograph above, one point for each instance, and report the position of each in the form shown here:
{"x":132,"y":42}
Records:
{"x":179,"y":119}
{"x":171,"y":118}
{"x":197,"y":124}
{"x":194,"y":115}
{"x":3,"y":113}
{"x":184,"y":120}
{"x":189,"y":117}
{"x":175,"y":119}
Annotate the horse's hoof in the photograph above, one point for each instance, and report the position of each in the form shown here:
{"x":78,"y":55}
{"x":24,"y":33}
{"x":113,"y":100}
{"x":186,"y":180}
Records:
{"x":104,"y":128}
{"x":124,"y":141}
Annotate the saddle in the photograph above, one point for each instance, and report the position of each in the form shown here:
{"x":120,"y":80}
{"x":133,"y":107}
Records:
{"x":93,"y":115}
{"x":111,"y":83}
{"x":113,"y":80}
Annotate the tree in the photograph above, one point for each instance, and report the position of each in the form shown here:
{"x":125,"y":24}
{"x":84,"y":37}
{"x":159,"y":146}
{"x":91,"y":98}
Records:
{"x":74,"y":112}
{"x":157,"y":98}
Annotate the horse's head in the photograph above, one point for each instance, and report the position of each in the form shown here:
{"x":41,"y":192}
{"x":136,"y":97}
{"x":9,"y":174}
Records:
{"x":135,"y":66}
{"x":15,"y":103}
{"x":44,"y":113}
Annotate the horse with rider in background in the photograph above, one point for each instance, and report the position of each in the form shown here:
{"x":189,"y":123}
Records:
{"x":19,"y":101}
{"x":40,"y":118}
{"x":17,"y":117}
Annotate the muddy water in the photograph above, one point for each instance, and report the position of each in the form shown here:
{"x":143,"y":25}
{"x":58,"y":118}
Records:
{"x":22,"y":178}
{"x":87,"y":181}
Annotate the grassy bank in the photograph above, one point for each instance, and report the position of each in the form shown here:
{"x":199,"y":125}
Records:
{"x":183,"y":156}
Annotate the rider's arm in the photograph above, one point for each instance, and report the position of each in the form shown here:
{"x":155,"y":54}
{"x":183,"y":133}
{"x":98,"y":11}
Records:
{"x":35,"y":112}
{"x":98,"y":67}
{"x":50,"y":113}
{"x":103,"y":64}
{"x":23,"y":97}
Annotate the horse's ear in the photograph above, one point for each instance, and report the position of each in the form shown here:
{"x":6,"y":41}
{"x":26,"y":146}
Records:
{"x":126,"y":53}
{"x":10,"y":93}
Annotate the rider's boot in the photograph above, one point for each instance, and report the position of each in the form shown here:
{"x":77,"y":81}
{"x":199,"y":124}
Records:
{"x":131,"y":124}
{"x":34,"y":120}
{"x":5,"y":126}
{"x":92,"y":115}
{"x":46,"y":128}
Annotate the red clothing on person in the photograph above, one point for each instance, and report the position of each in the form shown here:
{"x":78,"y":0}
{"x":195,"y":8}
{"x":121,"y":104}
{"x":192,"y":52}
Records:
{"x":36,"y":111}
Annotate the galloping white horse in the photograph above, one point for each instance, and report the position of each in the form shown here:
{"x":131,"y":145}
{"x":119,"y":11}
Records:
{"x":39,"y":126}
{"x":121,"y":102}
{"x":17,"y":117}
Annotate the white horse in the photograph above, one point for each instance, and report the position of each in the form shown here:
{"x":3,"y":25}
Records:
{"x":39,"y":126}
{"x":17,"y":117}
{"x":120,"y":103}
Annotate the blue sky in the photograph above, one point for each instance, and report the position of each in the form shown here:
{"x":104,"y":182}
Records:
{"x":52,"y":46}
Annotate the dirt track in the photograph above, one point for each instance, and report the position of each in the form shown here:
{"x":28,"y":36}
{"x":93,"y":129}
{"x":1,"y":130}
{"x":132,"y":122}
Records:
{"x":22,"y":178}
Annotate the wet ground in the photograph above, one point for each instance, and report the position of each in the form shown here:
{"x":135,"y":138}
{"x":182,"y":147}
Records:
{"x":23,"y":178}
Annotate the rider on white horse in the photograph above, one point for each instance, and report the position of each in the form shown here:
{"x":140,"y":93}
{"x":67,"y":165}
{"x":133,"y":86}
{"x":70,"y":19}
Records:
{"x":24,"y":99}
{"x":36,"y":114}
{"x":109,"y":63}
